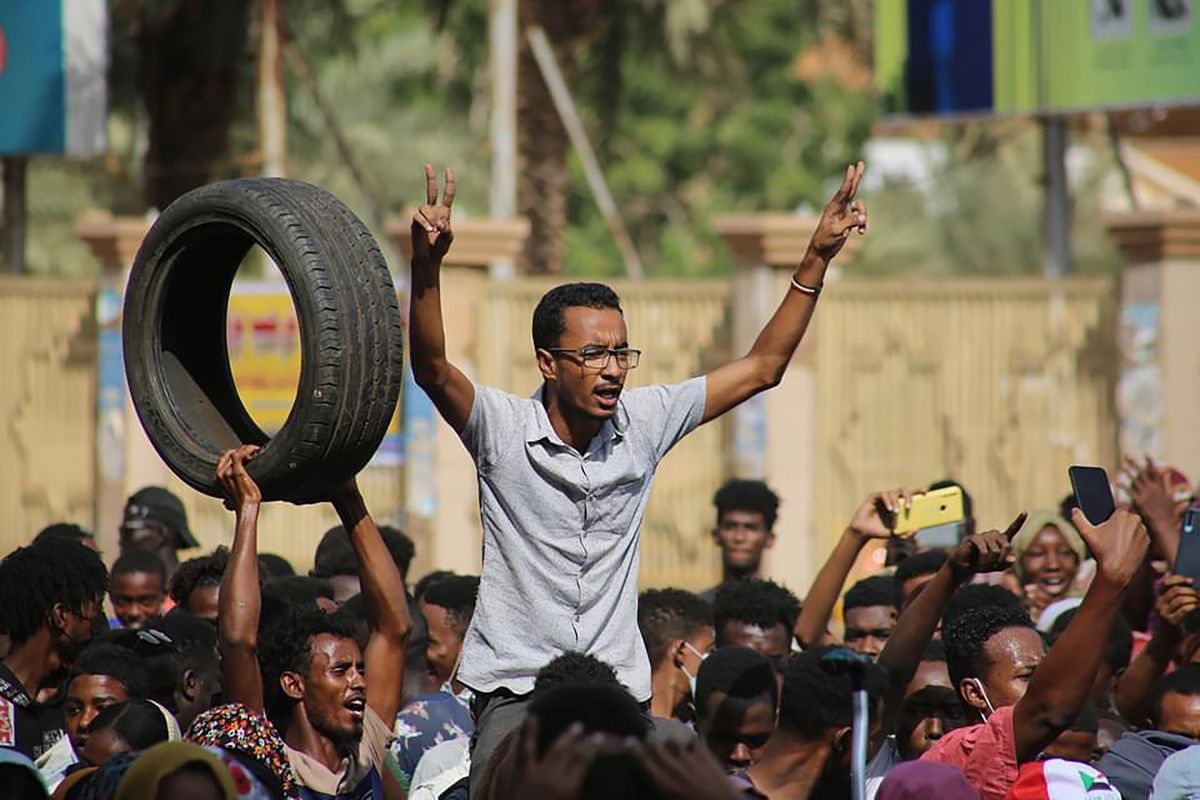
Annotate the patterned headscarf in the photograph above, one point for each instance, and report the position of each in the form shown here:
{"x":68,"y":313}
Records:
{"x":245,"y":782}
{"x":247,"y":734}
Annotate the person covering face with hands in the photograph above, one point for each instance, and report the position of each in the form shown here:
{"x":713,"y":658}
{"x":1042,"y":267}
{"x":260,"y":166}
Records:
{"x":564,"y":476}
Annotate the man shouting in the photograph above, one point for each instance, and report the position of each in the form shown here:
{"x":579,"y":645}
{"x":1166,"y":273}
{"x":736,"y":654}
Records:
{"x":564,"y":475}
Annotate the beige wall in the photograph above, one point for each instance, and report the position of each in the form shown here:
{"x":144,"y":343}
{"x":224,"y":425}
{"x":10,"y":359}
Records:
{"x":1002,"y":383}
{"x":47,"y":405}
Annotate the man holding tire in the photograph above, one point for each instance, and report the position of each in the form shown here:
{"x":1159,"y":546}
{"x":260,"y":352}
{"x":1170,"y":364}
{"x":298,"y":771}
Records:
{"x":564,"y":475}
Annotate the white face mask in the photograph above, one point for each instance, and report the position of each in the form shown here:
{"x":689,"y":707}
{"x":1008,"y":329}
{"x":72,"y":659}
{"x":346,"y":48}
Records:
{"x":692,"y":678}
{"x":991,"y":710}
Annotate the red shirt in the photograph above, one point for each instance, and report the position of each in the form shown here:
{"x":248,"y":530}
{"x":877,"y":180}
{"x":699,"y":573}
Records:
{"x":986,"y":753}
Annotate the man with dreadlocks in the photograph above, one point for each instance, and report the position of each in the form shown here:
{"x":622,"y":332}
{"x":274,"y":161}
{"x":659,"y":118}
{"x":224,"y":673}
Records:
{"x":49,"y":594}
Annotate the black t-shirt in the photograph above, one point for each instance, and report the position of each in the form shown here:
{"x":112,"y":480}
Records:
{"x":25,"y":725}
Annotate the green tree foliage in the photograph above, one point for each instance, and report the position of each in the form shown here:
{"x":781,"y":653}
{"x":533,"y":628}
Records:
{"x":696,"y":108}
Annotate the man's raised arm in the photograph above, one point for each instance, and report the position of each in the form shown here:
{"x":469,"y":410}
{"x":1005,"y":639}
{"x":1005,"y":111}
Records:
{"x":239,"y":603}
{"x":1061,"y":683}
{"x":451,"y":391}
{"x":873,"y":520}
{"x":385,"y":600}
{"x":763,"y":367}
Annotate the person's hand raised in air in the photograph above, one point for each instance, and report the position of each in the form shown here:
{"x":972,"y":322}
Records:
{"x":431,"y":231}
{"x":241,"y":492}
{"x":1178,"y":599}
{"x":876,"y":517}
{"x":843,"y":214}
{"x":1119,"y":544}
{"x":990,"y":551}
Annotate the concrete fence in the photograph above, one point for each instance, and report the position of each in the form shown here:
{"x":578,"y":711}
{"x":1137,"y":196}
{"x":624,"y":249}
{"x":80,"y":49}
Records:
{"x":1000,"y":383}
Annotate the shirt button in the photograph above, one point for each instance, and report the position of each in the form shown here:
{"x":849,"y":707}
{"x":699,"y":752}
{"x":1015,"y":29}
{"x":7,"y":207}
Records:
{"x":578,"y":618}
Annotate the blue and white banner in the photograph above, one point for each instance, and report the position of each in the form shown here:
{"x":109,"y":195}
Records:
{"x":53,"y":76}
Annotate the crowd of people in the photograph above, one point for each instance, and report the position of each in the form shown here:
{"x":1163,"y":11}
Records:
{"x":1054,"y":658}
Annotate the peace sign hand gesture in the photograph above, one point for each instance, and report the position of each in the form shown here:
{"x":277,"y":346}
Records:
{"x":431,"y":233}
{"x":842,"y":215}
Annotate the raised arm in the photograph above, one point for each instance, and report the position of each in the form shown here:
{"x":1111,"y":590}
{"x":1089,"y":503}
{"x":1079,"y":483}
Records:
{"x":1150,"y":498}
{"x":983,"y":552}
{"x":1061,"y":683}
{"x":240,"y":600}
{"x":1136,"y":685}
{"x":385,"y":600}
{"x":451,"y":391}
{"x":763,"y":367}
{"x":874,"y":519}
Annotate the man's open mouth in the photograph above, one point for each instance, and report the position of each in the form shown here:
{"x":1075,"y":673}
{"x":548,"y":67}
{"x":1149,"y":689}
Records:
{"x":608,"y":394}
{"x":356,"y":707}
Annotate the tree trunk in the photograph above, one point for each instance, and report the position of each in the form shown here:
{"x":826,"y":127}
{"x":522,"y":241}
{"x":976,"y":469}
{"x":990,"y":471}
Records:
{"x":543,"y":178}
{"x":190,"y":58}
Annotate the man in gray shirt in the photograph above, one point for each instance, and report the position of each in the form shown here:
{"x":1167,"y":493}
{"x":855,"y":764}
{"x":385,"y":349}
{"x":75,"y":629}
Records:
{"x":564,"y":475}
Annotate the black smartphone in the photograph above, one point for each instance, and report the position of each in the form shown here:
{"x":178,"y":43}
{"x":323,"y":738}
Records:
{"x":1093,"y":492}
{"x":1187,"y":557}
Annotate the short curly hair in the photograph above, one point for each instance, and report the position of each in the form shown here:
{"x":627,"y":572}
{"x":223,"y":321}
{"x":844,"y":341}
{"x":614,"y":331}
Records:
{"x":1183,"y":681}
{"x":34,"y":579}
{"x":665,"y":615}
{"x":457,"y":595}
{"x":757,"y":602}
{"x":112,"y":661}
{"x":980,"y":594}
{"x":197,"y":572}
{"x":335,"y":554}
{"x":548,"y":321}
{"x":747,"y":495}
{"x":285,"y":645}
{"x":916,"y":566}
{"x":877,"y":590}
{"x":736,"y":672}
{"x":816,"y":697}
{"x":966,"y":636}
{"x":574,"y":667}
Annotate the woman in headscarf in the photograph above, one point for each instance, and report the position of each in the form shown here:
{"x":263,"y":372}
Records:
{"x":252,"y":739}
{"x":102,"y":784}
{"x":20,"y":777}
{"x":1047,"y":553}
{"x":173,"y":769}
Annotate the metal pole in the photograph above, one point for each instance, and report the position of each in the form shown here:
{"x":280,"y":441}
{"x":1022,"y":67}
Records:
{"x":502,"y":41}
{"x":1057,"y":197}
{"x":15,"y":213}
{"x":272,"y":100}
{"x":858,"y":742}
{"x":543,"y":54}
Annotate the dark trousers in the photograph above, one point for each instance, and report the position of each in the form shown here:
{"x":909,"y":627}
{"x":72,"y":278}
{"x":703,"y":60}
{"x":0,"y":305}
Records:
{"x":498,"y":714}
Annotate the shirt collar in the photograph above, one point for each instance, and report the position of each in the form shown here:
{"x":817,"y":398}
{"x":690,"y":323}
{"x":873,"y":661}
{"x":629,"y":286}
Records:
{"x":541,"y":429}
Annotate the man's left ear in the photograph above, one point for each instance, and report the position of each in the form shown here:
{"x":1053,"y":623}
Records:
{"x":770,"y":539}
{"x":675,"y":649}
{"x":841,"y":740}
{"x":58,"y":616}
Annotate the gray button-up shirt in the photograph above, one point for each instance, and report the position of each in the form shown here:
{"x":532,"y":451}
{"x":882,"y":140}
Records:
{"x":561,"y":532}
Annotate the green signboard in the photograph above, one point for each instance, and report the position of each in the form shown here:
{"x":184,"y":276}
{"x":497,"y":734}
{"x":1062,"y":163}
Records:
{"x":1035,"y":56}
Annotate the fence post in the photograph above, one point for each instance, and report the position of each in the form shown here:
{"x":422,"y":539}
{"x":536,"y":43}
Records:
{"x":1158,"y":395}
{"x":442,"y":491}
{"x":119,"y":437}
{"x":774,"y":434}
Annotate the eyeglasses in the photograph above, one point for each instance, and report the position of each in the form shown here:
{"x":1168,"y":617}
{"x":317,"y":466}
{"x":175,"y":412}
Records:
{"x":597,"y":357}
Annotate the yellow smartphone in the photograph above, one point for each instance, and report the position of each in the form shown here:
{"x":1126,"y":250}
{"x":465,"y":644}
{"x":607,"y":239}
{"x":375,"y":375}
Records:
{"x":931,"y":509}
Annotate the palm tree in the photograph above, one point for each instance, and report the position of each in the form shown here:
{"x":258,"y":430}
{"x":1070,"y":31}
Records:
{"x":190,"y":58}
